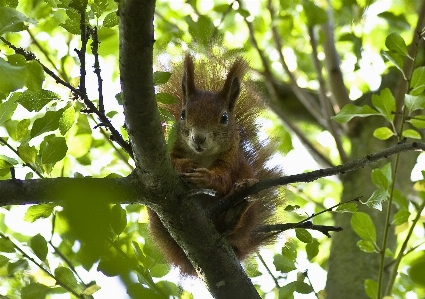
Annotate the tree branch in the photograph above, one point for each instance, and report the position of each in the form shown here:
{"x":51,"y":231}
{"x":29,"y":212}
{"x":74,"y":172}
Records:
{"x":230,"y":201}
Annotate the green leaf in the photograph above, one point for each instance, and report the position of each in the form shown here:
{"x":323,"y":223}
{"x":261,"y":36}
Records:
{"x":159,"y":270}
{"x":418,"y":121}
{"x":201,"y":30}
{"x":6,"y":245}
{"x":165,"y":98}
{"x":350,"y":207}
{"x":38,"y":211}
{"x":349,"y":111}
{"x":53,"y":150}
{"x":66,"y":276}
{"x":72,"y":25}
{"x":410,"y":133}
{"x":161,"y":78}
{"x":395,"y":43}
{"x":111,"y":20}
{"x":395,"y":59}
{"x":27,"y":153}
{"x":382,"y":178}
{"x":283,"y":264}
{"x":385,"y":103}
{"x":376,"y":199}
{"x":383,"y":133}
{"x":371,"y":288}
{"x":417,"y":83}
{"x":363,"y":226}
{"x":49,"y":122}
{"x":11,"y":77}
{"x":118,"y":219}
{"x":39,"y":246}
{"x":22,"y":129}
{"x":67,"y":120}
{"x":287,"y":291}
{"x":366,"y":246}
{"x":414,"y":103}
{"x":312,"y":249}
{"x":3,"y":261}
{"x":402,"y":216}
{"x":35,"y":76}
{"x":416,"y":271}
{"x":7,"y":109}
{"x":303,"y":235}
{"x":12,"y":20}
{"x":35,"y":101}
{"x":303,"y":288}
{"x":289,"y":250}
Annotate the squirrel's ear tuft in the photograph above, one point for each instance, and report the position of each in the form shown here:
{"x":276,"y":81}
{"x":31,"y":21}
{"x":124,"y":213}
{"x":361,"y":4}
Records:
{"x":188,"y":80}
{"x":233,"y":93}
{"x":232,"y":85}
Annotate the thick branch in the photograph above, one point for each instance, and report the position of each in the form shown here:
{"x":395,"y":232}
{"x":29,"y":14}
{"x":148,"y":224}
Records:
{"x":58,"y":190}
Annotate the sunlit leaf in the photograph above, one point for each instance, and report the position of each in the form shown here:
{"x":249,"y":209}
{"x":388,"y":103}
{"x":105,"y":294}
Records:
{"x":350,"y":207}
{"x":410,"y":133}
{"x":67,"y":120}
{"x":414,"y":103}
{"x":38,"y":211}
{"x":376,"y":199}
{"x":417,"y":83}
{"x":49,"y":122}
{"x":349,"y":111}
{"x":401,"y":217}
{"x":12,"y":20}
{"x":35,"y":101}
{"x":53,"y":150}
{"x":165,"y":98}
{"x":383,"y":133}
{"x":161,"y":78}
{"x":418,"y":121}
{"x":7,"y":109}
{"x":66,"y":276}
{"x":396,"y":43}
{"x":363,"y":225}
{"x":366,"y":246}
{"x":385,"y":103}
{"x":371,"y":288}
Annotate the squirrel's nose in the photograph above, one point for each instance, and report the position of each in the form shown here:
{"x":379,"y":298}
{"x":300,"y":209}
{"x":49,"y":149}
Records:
{"x":199,"y":139}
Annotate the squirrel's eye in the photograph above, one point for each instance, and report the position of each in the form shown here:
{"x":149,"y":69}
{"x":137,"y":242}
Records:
{"x":183,"y":115}
{"x":224,"y":118}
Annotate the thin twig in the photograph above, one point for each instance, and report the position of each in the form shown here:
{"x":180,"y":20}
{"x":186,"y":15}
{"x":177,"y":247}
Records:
{"x":95,"y":47}
{"x":115,"y":135}
{"x":268,"y":269}
{"x":58,"y":280}
{"x":17,"y":154}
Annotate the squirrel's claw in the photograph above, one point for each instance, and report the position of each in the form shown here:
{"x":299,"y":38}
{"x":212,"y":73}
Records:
{"x":199,"y":177}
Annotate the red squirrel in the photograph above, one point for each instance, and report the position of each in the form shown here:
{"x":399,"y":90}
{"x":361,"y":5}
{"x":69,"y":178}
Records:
{"x":218,"y":147}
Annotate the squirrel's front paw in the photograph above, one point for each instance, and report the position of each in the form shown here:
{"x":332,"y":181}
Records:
{"x":246,"y":183}
{"x":199,"y":177}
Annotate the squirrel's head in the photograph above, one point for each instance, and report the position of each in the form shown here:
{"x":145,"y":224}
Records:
{"x":207,"y":120}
